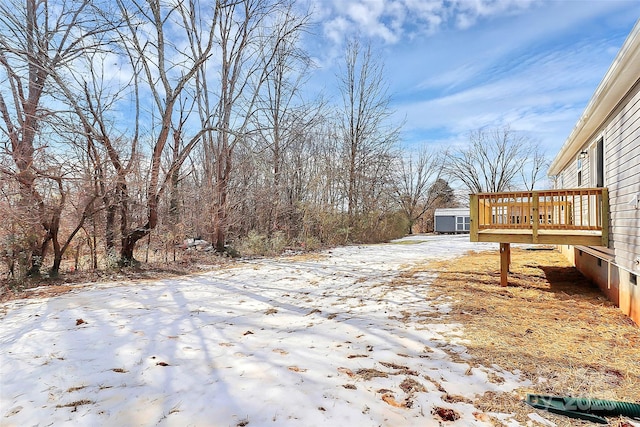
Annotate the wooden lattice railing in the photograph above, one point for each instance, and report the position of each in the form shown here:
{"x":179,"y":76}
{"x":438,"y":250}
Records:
{"x":573,"y":209}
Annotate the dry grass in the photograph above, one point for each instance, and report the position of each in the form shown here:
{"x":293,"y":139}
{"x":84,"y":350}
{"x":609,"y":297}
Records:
{"x":45,"y":287}
{"x":550,"y":323}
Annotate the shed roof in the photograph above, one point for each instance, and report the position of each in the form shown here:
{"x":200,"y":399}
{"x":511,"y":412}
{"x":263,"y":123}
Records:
{"x":452,"y":212}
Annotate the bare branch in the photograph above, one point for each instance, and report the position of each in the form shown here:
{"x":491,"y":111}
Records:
{"x":493,"y":161}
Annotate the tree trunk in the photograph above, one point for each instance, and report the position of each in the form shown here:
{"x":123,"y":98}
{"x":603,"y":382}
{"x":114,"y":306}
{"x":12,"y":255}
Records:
{"x":55,"y":268}
{"x":129,"y":245}
{"x":220,"y":214}
{"x":37,"y":255}
{"x":109,"y":227}
{"x":174,"y":194}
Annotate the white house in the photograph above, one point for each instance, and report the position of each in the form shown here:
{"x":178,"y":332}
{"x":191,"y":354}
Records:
{"x":603,"y":150}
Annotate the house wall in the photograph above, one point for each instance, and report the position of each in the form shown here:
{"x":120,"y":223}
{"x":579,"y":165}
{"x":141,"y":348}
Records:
{"x":622,"y":177}
{"x":615,"y":282}
{"x":621,"y":135}
{"x":605,"y":274}
{"x":629,"y":301}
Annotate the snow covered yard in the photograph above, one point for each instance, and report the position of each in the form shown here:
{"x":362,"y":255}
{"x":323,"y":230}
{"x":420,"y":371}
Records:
{"x":348,"y":337}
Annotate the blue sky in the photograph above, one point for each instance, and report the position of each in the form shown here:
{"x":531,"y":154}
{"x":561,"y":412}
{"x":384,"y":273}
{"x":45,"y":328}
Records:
{"x":458,"y":65}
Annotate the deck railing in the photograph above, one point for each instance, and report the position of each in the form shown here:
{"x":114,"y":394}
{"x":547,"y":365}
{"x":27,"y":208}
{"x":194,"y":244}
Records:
{"x":583,"y":209}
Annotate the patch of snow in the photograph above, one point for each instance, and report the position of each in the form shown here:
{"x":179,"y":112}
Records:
{"x":328,"y":341}
{"x":541,"y":420}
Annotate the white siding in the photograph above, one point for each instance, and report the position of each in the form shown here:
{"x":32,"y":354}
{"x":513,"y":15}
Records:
{"x":586,"y":170}
{"x":570,"y":175}
{"x":613,"y":114}
{"x":622,"y":177}
{"x":621,"y":134}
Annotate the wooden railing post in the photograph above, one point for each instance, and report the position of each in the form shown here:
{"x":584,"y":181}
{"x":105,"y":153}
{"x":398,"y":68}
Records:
{"x":535,"y":209}
{"x":474,"y":207}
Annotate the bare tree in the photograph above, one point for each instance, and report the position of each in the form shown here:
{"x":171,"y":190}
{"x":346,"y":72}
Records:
{"x":283,"y":119}
{"x":96,"y":97}
{"x":365,"y":130}
{"x":36,"y":41}
{"x":71,"y":203}
{"x":534,"y":168}
{"x":239,"y":41}
{"x":250,"y":38}
{"x":415,"y":182}
{"x":167,"y":71}
{"x":493,"y":161}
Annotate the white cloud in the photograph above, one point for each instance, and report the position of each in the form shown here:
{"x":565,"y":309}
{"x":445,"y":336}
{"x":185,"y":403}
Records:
{"x":391,"y":20}
{"x":336,"y":29}
{"x":467,"y":12}
{"x":456,"y":65}
{"x":368,"y":15}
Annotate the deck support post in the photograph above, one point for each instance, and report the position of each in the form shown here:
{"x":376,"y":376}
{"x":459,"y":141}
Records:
{"x":505,"y":261}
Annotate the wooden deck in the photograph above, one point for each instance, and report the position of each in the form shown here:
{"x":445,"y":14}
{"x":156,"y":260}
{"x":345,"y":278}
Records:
{"x":558,"y":217}
{"x":554,"y":217}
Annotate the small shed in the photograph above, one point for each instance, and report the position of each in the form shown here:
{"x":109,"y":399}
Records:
{"x":452,"y":220}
